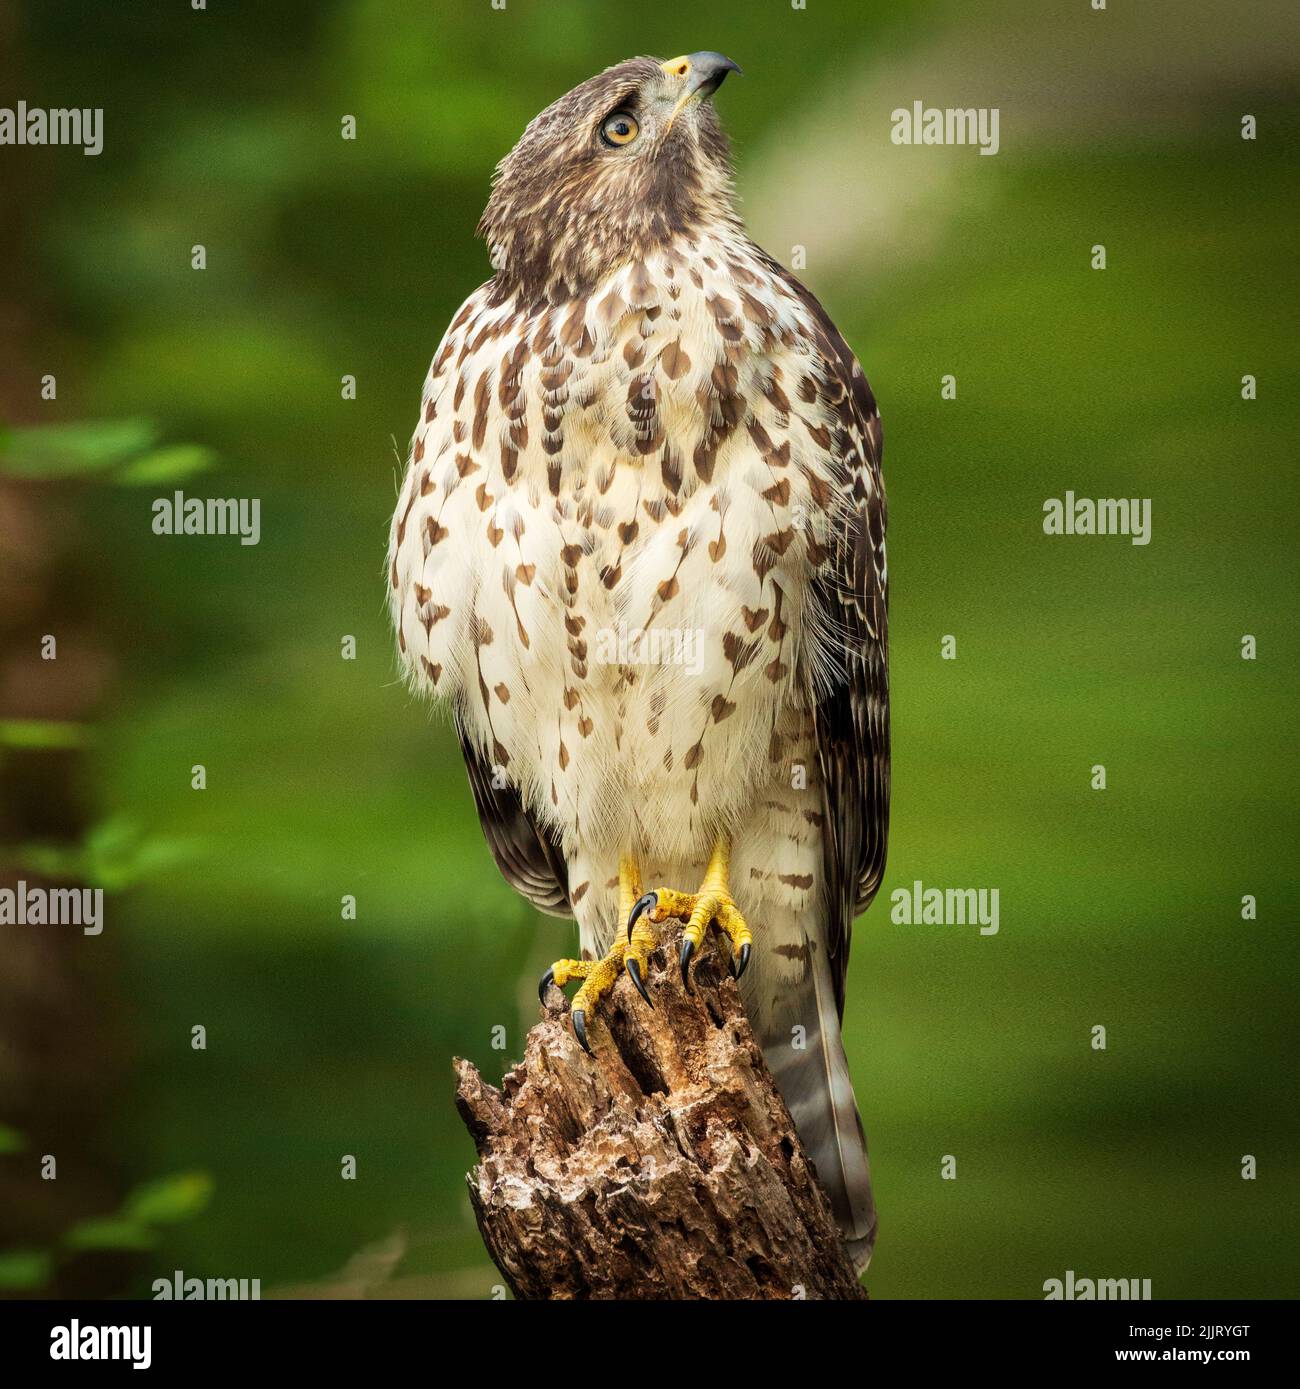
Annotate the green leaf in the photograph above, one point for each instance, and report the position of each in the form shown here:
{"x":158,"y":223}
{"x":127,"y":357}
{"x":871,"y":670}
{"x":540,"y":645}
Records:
{"x":172,"y":464}
{"x":110,"y":1232}
{"x":50,"y":860}
{"x":112,"y":839}
{"x":118,"y":853}
{"x":42,"y":733}
{"x":11,"y":1141}
{"x":115,"y":855}
{"x":112,"y":850}
{"x":71,"y":450}
{"x":169,"y":1199}
{"x":24,"y":1270}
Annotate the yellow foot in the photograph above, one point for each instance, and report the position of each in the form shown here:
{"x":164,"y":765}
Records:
{"x":712,"y":903}
{"x":599,"y":976}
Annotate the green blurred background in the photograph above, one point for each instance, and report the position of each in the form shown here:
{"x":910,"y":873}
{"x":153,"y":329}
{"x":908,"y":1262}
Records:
{"x":329,"y":257}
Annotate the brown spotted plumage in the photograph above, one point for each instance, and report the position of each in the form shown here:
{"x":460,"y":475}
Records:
{"x":640,"y":549}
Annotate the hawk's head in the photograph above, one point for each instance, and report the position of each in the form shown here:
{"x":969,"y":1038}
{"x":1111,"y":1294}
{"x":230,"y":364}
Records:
{"x":619,"y":165}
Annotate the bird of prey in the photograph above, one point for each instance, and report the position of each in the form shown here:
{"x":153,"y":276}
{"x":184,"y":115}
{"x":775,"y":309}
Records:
{"x":640,"y":552}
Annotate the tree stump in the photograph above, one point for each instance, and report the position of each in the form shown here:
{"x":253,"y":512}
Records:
{"x":663,"y":1166}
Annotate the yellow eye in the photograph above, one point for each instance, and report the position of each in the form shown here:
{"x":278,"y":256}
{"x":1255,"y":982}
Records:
{"x":619,"y":129}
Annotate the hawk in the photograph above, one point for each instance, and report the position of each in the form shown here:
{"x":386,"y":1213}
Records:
{"x":640,"y":552}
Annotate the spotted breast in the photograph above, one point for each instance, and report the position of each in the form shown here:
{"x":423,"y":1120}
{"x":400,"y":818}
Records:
{"x":578,"y":577}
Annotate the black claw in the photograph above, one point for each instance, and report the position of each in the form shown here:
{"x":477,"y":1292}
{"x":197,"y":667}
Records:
{"x":687,"y":951}
{"x":644,"y":904}
{"x":547,"y":980}
{"x":743,"y":961}
{"x":634,"y":970}
{"x":580,"y":1028}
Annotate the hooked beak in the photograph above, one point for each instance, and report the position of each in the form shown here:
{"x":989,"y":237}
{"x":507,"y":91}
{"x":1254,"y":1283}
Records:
{"x":700,"y":75}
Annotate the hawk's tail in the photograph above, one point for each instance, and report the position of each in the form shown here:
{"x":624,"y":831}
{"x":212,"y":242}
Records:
{"x":801,"y":1043}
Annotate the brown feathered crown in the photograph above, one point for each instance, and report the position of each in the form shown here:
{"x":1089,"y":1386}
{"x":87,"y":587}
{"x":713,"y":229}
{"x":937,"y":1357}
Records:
{"x":629,"y":160}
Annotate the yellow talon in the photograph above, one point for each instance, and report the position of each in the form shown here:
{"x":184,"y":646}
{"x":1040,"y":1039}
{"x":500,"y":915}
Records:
{"x":599,"y":976}
{"x":564,"y":970}
{"x":712,"y":903}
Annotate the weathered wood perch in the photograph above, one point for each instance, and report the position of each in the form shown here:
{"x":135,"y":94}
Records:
{"x":664,"y":1166}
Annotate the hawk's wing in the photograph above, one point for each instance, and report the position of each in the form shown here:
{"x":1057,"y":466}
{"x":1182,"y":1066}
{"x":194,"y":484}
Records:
{"x":852,"y":592}
{"x":529,"y":858}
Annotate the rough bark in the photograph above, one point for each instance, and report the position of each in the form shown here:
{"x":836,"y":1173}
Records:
{"x":62,"y":1036}
{"x":663,"y":1166}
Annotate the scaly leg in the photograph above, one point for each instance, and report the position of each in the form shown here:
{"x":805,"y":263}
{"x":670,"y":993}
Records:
{"x":598,"y":976}
{"x":712,"y":903}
